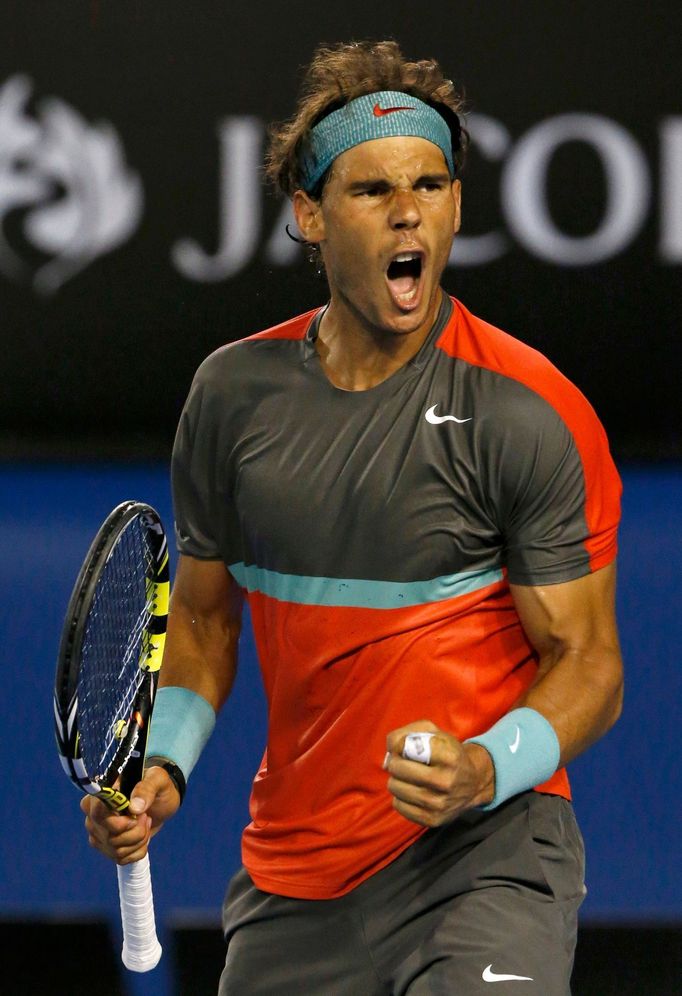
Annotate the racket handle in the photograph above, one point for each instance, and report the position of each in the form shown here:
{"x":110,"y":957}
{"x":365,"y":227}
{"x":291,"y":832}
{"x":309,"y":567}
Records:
{"x":141,"y":949}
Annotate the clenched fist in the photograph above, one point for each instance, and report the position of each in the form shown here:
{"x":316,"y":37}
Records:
{"x":458,"y":776}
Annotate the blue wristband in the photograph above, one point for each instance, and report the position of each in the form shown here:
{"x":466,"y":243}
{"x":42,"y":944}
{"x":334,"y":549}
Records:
{"x":182,"y":722}
{"x":525,"y":752}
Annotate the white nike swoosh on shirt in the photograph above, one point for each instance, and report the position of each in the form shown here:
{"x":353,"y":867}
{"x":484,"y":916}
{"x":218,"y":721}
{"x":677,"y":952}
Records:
{"x":434,"y":419}
{"x":490,"y":976}
{"x":515,"y":746}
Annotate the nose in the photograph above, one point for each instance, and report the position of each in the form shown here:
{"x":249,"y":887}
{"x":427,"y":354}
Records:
{"x":404,"y":209}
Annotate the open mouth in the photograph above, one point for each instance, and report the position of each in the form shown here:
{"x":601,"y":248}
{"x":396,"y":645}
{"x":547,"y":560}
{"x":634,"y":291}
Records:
{"x":403,"y":275}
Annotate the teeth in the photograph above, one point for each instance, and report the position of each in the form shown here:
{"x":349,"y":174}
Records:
{"x":405,"y":257}
{"x":408,"y":296}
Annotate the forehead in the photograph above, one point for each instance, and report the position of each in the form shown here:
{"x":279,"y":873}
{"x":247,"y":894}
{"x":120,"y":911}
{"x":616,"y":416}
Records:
{"x":389,"y":159}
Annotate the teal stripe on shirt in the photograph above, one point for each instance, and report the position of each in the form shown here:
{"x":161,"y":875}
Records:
{"x":361,"y":594}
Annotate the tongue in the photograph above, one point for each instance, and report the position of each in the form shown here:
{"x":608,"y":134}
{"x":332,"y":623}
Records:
{"x":403,"y":285}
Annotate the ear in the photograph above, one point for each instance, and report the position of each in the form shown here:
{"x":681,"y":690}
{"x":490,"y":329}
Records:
{"x":457,"y":198}
{"x":308,"y":215}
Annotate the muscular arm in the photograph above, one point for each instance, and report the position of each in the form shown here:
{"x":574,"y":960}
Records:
{"x":204,"y":623}
{"x":579,"y":684}
{"x":200,"y":654}
{"x":578,"y":688}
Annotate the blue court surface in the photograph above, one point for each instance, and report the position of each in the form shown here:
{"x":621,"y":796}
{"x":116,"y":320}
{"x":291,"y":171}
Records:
{"x":626,"y":789}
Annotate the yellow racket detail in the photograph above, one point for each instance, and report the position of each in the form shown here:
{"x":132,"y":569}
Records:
{"x":115,"y":800}
{"x":160,"y":598}
{"x":151,"y":651}
{"x":158,"y":592}
{"x":121,"y":729}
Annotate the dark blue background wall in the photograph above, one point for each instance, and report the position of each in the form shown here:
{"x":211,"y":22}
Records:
{"x":627,"y":788}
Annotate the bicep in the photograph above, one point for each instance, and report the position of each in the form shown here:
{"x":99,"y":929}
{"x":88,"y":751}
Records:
{"x":206,"y":588}
{"x":204,"y":624}
{"x":571,"y":617}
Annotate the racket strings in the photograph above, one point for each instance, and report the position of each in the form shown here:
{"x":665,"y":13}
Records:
{"x":114,"y":641}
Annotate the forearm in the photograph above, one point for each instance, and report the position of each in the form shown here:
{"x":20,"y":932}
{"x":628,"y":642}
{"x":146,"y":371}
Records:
{"x":200,"y":661}
{"x":580,"y":692}
{"x":577,"y":693}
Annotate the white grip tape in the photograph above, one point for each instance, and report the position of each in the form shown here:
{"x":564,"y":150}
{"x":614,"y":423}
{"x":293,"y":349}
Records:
{"x":141,"y":949}
{"x":418,"y":747}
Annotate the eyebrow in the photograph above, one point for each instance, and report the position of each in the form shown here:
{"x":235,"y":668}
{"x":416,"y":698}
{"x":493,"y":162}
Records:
{"x":359,"y":185}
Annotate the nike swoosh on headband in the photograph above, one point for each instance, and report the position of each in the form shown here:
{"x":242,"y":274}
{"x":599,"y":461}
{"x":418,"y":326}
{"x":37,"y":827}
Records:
{"x":379,"y":112}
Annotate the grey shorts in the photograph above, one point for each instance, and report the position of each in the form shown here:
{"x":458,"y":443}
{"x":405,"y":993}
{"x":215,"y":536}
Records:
{"x":488,"y":901}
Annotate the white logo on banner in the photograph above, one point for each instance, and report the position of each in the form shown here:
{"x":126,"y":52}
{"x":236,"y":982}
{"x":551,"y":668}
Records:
{"x":241,"y":141}
{"x":525,"y":213}
{"x":66,"y":192}
{"x":68,"y":179}
{"x":524,"y":196}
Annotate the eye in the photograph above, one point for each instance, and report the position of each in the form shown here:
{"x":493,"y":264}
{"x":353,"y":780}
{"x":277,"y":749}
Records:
{"x":430,"y":185}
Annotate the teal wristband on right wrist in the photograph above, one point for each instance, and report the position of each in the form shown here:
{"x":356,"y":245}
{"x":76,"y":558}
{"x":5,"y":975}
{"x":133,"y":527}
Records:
{"x":182,"y":722}
{"x":524,"y":750}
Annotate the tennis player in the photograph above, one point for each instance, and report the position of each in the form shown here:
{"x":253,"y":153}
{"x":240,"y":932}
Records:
{"x":422,"y":513}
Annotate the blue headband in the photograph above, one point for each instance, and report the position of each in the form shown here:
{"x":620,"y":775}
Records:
{"x":386,"y":114}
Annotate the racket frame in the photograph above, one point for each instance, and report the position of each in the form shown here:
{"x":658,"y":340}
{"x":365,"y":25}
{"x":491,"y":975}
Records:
{"x":128,"y":761}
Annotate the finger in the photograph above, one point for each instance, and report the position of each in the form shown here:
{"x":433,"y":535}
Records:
{"x":122,"y":845}
{"x":433,"y":777}
{"x":395,"y":741}
{"x":415,"y":795}
{"x":423,"y":749}
{"x":416,"y":814}
{"x":95,"y":808}
{"x":134,"y":830}
{"x":121,"y":855}
{"x":154,"y":783}
{"x":108,"y":823}
{"x":417,"y":747}
{"x":130,"y":836}
{"x":134,"y":856}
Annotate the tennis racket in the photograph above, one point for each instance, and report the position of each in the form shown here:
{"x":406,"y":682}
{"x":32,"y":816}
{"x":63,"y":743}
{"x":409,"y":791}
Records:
{"x":107,"y":671}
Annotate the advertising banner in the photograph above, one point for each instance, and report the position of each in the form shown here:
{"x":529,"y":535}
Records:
{"x":137,"y":235}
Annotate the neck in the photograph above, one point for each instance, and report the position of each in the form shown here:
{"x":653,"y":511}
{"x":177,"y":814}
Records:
{"x":357,"y":355}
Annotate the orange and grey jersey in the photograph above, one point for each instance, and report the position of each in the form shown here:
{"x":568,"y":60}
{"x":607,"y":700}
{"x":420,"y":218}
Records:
{"x":376,"y":534}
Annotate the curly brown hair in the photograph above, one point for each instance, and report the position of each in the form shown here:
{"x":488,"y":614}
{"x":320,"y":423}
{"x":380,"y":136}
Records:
{"x":338,"y":74}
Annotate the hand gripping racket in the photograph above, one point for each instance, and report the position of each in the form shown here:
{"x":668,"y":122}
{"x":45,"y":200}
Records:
{"x":109,"y":659}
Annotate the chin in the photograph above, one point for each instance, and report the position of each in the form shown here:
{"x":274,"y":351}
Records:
{"x":412,"y":321}
{"x":407,"y":324}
